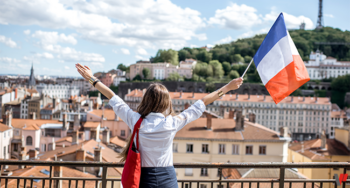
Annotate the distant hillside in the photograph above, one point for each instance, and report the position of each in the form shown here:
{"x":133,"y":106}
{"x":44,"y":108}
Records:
{"x":244,"y":49}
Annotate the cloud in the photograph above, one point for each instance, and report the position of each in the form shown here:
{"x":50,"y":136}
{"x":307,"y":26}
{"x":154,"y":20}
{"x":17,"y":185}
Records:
{"x":138,"y":57}
{"x":141,"y":51}
{"x":253,"y":33}
{"x":54,"y":37}
{"x":70,"y":54}
{"x":66,"y":67}
{"x":8,"y":41}
{"x":151,"y":24}
{"x":125,"y":51}
{"x":44,"y":55}
{"x":291,"y":21}
{"x":27,"y":32}
{"x":224,"y":40}
{"x":236,"y":17}
{"x":9,"y":60}
{"x":329,"y":15}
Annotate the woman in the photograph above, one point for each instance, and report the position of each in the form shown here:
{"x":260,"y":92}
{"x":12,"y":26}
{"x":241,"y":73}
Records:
{"x":158,"y":127}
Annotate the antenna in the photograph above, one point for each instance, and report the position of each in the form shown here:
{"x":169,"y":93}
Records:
{"x":320,"y":16}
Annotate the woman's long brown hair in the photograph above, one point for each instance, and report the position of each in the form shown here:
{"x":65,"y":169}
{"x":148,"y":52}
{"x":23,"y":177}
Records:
{"x":156,"y":99}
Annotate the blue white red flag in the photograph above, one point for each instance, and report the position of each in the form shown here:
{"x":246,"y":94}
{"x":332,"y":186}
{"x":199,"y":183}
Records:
{"x":279,"y":64}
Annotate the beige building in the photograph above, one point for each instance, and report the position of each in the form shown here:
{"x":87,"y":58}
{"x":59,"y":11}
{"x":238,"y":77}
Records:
{"x":322,"y":150}
{"x":213,"y":140}
{"x":305,"y":117}
{"x":36,"y":104}
{"x":159,"y":71}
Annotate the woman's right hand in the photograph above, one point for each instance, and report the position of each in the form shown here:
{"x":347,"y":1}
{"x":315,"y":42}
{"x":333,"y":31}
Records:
{"x":85,"y":71}
{"x":235,"y":83}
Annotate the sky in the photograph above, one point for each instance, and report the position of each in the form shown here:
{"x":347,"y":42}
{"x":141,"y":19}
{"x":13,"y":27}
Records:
{"x":54,"y":35}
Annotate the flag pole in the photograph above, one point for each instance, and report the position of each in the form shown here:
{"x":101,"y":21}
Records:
{"x":247,"y":68}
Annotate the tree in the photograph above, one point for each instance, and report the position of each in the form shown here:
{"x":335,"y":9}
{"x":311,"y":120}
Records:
{"x":146,"y":72}
{"x":233,"y":74}
{"x":218,"y":71}
{"x":247,"y":58}
{"x":227,"y":67}
{"x":175,"y":77}
{"x":170,"y":56}
{"x":121,"y":67}
{"x":235,"y":67}
{"x":137,"y":78}
{"x":238,"y":58}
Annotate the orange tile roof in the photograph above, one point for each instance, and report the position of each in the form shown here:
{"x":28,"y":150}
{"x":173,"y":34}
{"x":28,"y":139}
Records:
{"x":90,"y":124}
{"x":313,"y":150}
{"x":108,"y":114}
{"x":224,"y":129}
{"x":241,"y":98}
{"x":35,"y":171}
{"x":4,"y":127}
{"x":117,"y":141}
{"x":31,"y":127}
{"x":32,"y":91}
{"x":20,"y":123}
{"x":338,"y":114}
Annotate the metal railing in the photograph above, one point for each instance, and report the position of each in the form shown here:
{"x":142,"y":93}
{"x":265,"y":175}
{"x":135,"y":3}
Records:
{"x":102,"y":180}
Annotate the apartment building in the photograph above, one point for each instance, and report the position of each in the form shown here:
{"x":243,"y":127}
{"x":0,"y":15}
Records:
{"x":305,"y":117}
{"x":58,"y":91}
{"x":215,"y":140}
{"x":323,"y":150}
{"x":80,"y":83}
{"x":35,"y":105}
{"x":159,"y":71}
{"x":188,"y":63}
{"x":320,"y":66}
{"x":6,"y":137}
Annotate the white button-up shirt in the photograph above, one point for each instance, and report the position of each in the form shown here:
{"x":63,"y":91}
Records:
{"x":156,"y":131}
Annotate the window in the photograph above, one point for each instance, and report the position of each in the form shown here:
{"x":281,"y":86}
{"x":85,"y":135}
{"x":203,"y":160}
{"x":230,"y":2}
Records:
{"x":262,"y":150}
{"x":188,"y":172}
{"x":175,"y":147}
{"x":205,"y":148}
{"x":203,"y":186}
{"x":221,"y":148}
{"x":249,"y":150}
{"x":189,"y":148}
{"x":53,"y":132}
{"x":29,"y":141}
{"x":15,"y":147}
{"x":122,"y":133}
{"x":235,"y":149}
{"x":204,"y":172}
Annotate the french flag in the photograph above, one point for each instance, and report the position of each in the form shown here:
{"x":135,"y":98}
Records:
{"x":279,"y":64}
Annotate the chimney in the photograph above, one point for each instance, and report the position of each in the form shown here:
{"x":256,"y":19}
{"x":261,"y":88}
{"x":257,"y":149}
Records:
{"x":105,"y":136}
{"x":252,"y":117}
{"x":302,"y":147}
{"x":181,"y":94}
{"x":34,"y":115}
{"x":8,"y":120}
{"x":303,"y":98}
{"x":98,"y":158}
{"x":239,"y":120}
{"x":65,"y":121}
{"x":32,"y":154}
{"x":116,"y":117}
{"x":129,"y":90}
{"x":237,"y":96}
{"x":209,"y":121}
{"x":75,"y":137}
{"x":16,"y":93}
{"x":323,"y":139}
{"x":192,"y":94}
{"x":316,"y":99}
{"x":264,"y":97}
{"x":57,"y":172}
{"x":144,"y":92}
{"x":231,"y":114}
{"x":248,"y":96}
{"x":76,"y":122}
{"x":187,"y":106}
{"x":53,"y":144}
{"x":291,"y":99}
{"x":22,"y":156}
{"x":284,"y":132}
{"x":80,"y":156}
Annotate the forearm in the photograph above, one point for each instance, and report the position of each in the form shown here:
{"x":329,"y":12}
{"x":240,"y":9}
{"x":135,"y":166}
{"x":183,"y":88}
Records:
{"x":104,"y":90}
{"x":214,"y":95}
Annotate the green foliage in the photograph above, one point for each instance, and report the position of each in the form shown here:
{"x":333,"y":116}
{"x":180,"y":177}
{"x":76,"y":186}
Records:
{"x":137,"y":78}
{"x":217,"y":68}
{"x":175,"y":77}
{"x":170,"y":56}
{"x":247,"y":58}
{"x":146,"y":72}
{"x":235,"y":67}
{"x":340,"y":86}
{"x":122,"y":67}
{"x":237,"y":58}
{"x":233,"y":74}
{"x":227,"y":67}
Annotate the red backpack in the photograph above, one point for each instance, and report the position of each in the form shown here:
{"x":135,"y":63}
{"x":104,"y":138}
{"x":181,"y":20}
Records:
{"x":132,"y":167}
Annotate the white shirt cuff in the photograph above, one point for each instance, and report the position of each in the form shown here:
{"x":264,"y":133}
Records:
{"x":115,"y":100}
{"x":200,"y":105}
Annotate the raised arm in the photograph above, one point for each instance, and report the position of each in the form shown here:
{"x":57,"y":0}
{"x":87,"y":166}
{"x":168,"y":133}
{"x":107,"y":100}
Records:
{"x":86,"y":72}
{"x":234,"y":84}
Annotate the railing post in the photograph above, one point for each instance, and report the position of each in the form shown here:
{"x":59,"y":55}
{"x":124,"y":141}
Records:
{"x":344,"y":184}
{"x":281,"y":180}
{"x":104,"y":176}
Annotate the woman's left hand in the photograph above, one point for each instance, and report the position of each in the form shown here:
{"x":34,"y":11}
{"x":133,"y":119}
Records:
{"x":85,"y":71}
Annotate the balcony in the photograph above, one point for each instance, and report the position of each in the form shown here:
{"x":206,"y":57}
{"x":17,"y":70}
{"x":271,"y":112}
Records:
{"x":101,"y":180}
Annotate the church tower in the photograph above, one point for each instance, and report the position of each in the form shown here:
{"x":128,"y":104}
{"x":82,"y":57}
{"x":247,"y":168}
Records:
{"x":31,"y":80}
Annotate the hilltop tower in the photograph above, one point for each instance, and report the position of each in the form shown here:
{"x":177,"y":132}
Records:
{"x":31,"y":80}
{"x":320,"y":16}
